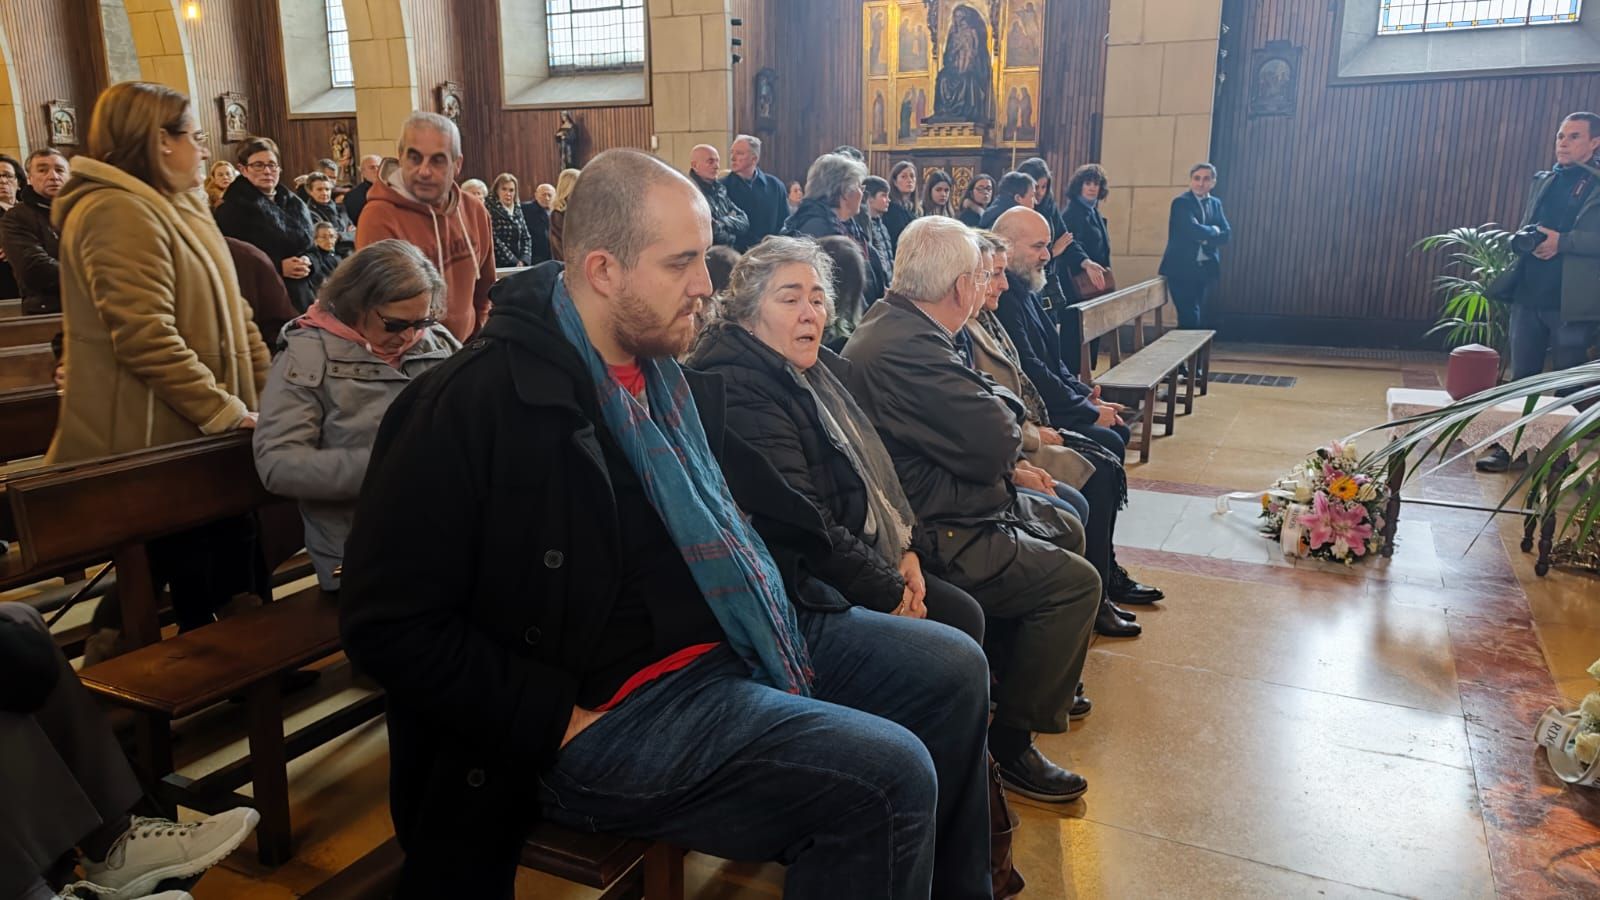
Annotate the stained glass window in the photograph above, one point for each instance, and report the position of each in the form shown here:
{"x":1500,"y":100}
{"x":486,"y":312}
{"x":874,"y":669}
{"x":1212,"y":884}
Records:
{"x":1417,"y":16}
{"x":342,"y":74}
{"x":590,"y":35}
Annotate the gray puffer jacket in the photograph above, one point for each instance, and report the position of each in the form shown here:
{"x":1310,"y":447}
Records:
{"x":320,"y":413}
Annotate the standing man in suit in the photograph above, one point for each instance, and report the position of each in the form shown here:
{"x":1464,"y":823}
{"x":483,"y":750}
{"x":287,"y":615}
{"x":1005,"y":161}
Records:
{"x":1196,"y":231}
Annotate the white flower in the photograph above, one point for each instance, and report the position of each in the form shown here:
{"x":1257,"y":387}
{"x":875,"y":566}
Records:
{"x":1368,"y":492}
{"x":1594,"y":670}
{"x":1302,"y":494}
{"x":1591,"y":710}
{"x":1588,"y":748}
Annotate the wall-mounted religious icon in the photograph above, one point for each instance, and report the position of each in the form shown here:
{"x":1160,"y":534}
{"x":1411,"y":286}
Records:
{"x":1024,"y":36}
{"x":62,"y":117}
{"x":450,"y":101}
{"x":1019,"y":124}
{"x":767,"y":99}
{"x":912,"y":41}
{"x":342,"y":150}
{"x":567,"y":140}
{"x":913,"y":110}
{"x":1274,"y":79}
{"x":965,"y":72}
{"x":879,"y":117}
{"x":235,"y":117}
{"x":877,"y":40}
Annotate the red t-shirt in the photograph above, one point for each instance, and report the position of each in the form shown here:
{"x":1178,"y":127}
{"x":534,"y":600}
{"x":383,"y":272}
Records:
{"x":630,"y":376}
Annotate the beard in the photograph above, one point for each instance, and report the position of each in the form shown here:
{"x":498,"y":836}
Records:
{"x":1031,"y":278}
{"x":647,"y":334}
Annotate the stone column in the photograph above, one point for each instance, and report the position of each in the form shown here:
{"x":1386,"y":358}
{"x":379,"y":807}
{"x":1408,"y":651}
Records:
{"x":383,"y":56}
{"x":162,"y":43}
{"x":691,"y":77}
{"x":1160,"y":82}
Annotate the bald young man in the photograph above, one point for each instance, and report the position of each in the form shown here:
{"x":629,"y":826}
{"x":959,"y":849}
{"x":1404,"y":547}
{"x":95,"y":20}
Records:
{"x":728,"y":221}
{"x":597,"y":635}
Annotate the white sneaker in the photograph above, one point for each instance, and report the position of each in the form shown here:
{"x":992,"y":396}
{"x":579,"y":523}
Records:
{"x":88,"y":890}
{"x":153,"y":850}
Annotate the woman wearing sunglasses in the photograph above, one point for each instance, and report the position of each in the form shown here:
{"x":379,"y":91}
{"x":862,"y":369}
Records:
{"x":372,"y":330}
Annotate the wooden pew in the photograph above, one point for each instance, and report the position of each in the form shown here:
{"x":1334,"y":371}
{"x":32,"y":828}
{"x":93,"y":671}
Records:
{"x":24,"y":330}
{"x":27,"y":422}
{"x":10,"y":309}
{"x":1137,"y":380}
{"x":30,"y":366}
{"x":1106,"y":315}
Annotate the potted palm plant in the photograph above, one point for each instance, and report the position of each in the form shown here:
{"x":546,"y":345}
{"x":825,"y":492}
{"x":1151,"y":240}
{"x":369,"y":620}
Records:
{"x":1478,"y":256}
{"x":1560,"y":484}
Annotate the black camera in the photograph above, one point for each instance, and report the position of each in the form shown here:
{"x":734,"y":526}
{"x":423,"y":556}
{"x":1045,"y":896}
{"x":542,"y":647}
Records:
{"x":1527,"y":240}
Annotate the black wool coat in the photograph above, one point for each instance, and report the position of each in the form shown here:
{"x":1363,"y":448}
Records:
{"x":1089,"y":235}
{"x":280,"y":226}
{"x":776,"y":415}
{"x":481,"y":634}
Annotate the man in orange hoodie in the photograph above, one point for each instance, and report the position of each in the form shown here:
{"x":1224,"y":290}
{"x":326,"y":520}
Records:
{"x":416,"y":200}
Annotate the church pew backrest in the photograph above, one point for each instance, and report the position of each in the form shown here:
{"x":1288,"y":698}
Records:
{"x":25,"y":330}
{"x":30,"y":366}
{"x":27,"y":422}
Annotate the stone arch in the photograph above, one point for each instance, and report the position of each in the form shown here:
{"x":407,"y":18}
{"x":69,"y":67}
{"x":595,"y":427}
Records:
{"x":13,"y":132}
{"x":162,"y":42}
{"x":383,"y":55}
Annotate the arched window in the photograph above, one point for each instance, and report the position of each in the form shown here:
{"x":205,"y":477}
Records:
{"x":1418,"y":16}
{"x":341,"y":73}
{"x":594,"y":35}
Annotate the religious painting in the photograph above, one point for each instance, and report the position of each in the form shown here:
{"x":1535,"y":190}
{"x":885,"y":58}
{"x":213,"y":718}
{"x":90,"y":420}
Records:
{"x":450,"y":101}
{"x":767,"y":99}
{"x":235,"y":117}
{"x":62,"y":117}
{"x":877,"y":31}
{"x":1019,"y":113}
{"x":965,"y":85}
{"x":1024,"y":44}
{"x":880,"y":114}
{"x":913,"y":47}
{"x":910,"y":111}
{"x":1274,"y":79}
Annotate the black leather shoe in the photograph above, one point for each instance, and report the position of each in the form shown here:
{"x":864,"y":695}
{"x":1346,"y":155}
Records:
{"x":1124,"y":590}
{"x":1081,"y":707}
{"x":1108,"y":623}
{"x":1125,"y":613}
{"x":1035,"y":777}
{"x":1498,"y":459}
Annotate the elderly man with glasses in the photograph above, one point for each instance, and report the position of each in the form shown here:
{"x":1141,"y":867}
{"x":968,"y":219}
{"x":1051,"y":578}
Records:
{"x":957,"y":446}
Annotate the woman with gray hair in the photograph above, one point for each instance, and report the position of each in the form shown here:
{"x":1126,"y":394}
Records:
{"x":786,"y":397}
{"x":833,"y":201}
{"x":373,"y":329}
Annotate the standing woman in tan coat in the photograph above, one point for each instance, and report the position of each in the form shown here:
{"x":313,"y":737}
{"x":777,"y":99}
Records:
{"x":160,"y":346}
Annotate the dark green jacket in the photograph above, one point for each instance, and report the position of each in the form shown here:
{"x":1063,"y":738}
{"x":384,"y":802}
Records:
{"x":1579,"y":255}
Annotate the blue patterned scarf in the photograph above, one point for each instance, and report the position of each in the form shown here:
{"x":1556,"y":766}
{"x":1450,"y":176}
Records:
{"x":666,"y":445}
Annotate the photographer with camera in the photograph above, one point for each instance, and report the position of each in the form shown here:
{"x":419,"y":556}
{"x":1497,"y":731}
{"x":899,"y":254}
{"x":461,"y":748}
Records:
{"x":1554,"y":286}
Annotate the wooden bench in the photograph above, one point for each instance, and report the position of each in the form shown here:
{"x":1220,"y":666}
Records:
{"x":243,"y":655}
{"x":27,"y":422}
{"x":1136,"y":381}
{"x":10,"y":309}
{"x":25,"y":330}
{"x":621,"y":868}
{"x":30,"y":366}
{"x":1106,"y":315}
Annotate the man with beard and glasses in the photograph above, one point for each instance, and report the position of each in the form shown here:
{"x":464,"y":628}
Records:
{"x":599,"y":635}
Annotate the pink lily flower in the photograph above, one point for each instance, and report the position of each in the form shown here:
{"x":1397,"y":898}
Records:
{"x":1343,"y":525}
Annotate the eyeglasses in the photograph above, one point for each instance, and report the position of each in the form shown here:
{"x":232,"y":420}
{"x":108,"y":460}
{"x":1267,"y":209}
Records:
{"x":200,"y":137}
{"x":263,"y":167}
{"x":395,"y":326}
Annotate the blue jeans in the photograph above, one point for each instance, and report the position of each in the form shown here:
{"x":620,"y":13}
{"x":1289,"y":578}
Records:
{"x":873,"y":787}
{"x":1066,"y":498}
{"x":1534,"y":331}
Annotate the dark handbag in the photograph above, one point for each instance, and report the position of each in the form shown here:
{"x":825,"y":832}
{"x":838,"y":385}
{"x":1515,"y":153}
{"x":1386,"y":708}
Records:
{"x":1003,"y":824}
{"x":1086,"y":289}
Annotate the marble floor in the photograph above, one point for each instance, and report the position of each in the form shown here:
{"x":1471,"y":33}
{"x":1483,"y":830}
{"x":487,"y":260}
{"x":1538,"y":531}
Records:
{"x":1279,"y":730}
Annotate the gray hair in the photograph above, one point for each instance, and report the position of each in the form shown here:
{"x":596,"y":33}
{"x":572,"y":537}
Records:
{"x":751,"y":140}
{"x":933,"y":252}
{"x":433,"y":122}
{"x":832,"y":176}
{"x":747,"y":286}
{"x":993,"y":243}
{"x":475,"y":183}
{"x":380,"y":273}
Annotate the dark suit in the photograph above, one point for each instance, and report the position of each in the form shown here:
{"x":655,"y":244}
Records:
{"x":1196,"y":231}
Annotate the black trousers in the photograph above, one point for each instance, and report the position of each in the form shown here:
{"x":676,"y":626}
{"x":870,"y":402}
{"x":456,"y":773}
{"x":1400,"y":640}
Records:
{"x":204,"y":567}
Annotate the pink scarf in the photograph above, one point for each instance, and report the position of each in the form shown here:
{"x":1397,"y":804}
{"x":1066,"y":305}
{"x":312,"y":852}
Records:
{"x":318,"y":316}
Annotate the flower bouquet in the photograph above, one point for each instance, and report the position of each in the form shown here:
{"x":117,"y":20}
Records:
{"x":1329,"y":507}
{"x":1571,"y":740}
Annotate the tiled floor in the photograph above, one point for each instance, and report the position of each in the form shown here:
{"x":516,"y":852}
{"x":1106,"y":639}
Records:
{"x":1281,"y":730}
